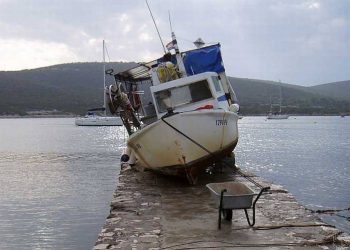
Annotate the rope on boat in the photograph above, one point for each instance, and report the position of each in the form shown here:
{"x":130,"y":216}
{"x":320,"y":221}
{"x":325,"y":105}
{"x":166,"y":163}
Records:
{"x":248,"y":178}
{"x":199,"y":145}
{"x":189,"y":138}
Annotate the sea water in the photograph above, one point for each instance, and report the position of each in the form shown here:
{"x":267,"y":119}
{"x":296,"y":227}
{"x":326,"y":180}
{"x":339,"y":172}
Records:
{"x":309,"y":156}
{"x":57,"y":179}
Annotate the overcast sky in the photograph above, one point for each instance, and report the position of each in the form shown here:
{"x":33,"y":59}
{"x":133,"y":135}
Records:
{"x":304,"y":42}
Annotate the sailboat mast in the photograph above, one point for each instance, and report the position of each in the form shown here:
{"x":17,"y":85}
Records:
{"x":178,"y":55}
{"x":104,"y":77}
{"x":280,"y":98}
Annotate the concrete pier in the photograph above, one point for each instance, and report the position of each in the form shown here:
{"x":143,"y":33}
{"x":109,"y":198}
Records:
{"x":151,"y":211}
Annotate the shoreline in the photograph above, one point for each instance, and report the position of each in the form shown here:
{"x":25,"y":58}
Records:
{"x":150,"y":211}
{"x":36,"y":116}
{"x":73,"y":116}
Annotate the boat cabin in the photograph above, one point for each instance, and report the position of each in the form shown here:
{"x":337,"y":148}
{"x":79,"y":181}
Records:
{"x":201,"y":91}
{"x":181,"y":82}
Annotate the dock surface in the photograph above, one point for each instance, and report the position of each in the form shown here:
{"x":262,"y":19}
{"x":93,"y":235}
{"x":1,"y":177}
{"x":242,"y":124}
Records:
{"x":151,"y":211}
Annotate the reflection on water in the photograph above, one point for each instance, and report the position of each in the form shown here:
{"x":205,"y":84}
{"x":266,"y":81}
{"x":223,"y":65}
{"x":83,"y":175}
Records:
{"x":57,"y":179}
{"x":308,"y":155}
{"x":56,"y":182}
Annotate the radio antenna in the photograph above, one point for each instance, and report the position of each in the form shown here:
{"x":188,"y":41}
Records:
{"x":156,"y":27}
{"x":171,"y":27}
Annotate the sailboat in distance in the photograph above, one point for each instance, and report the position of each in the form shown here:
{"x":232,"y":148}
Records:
{"x":277,"y":115}
{"x":92,"y":118}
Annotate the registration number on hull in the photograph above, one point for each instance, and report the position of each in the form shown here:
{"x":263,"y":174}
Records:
{"x":221,"y":122}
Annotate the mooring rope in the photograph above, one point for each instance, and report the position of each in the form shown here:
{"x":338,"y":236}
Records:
{"x":210,"y":153}
{"x":271,"y":227}
{"x":327,"y":240}
{"x":331,"y":212}
{"x":247,"y":177}
{"x":327,"y":211}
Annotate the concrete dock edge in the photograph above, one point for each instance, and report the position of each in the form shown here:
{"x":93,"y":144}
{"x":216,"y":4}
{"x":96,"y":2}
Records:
{"x":150,"y":211}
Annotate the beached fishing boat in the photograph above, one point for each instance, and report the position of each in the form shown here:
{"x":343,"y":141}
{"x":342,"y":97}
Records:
{"x":190,"y":120}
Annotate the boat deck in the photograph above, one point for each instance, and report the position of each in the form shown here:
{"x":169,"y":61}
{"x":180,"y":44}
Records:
{"x":151,"y":211}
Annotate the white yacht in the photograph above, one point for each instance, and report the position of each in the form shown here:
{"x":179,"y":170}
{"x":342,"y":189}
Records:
{"x":93,"y":119}
{"x":277,"y":115}
{"x":99,"y":119}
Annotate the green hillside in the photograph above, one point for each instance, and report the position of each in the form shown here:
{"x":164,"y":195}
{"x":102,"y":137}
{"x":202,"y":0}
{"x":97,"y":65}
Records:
{"x":256,"y":97}
{"x":340,"y":90}
{"x":77,"y":87}
{"x":70,"y":88}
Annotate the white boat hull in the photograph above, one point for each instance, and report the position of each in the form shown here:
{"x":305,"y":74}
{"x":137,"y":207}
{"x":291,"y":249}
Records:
{"x":160,"y":147}
{"x":277,"y":117}
{"x":99,"y":121}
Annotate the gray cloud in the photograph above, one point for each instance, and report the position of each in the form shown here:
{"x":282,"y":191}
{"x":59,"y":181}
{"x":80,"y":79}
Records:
{"x":301,"y":42}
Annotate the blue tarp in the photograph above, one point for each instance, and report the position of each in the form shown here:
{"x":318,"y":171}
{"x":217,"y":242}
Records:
{"x":206,"y":59}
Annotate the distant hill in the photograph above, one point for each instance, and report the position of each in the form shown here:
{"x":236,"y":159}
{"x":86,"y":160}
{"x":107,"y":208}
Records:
{"x":339,"y":90}
{"x":256,"y":97}
{"x":76,"y":87}
{"x":70,"y":88}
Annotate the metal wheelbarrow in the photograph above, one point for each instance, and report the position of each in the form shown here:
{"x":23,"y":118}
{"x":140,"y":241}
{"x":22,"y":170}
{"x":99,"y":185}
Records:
{"x":234,"y":195}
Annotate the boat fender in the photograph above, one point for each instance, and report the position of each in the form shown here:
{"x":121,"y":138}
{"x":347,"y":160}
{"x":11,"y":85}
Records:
{"x":132,"y":160}
{"x":124,"y":158}
{"x":126,"y":155}
{"x":234,"y":108}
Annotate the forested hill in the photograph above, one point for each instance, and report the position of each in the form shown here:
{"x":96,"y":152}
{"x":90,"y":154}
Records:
{"x":339,"y":90}
{"x":70,"y":88}
{"x":76,"y":87}
{"x":256,"y":97}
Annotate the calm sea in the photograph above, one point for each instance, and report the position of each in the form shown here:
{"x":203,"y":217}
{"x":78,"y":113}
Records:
{"x":57,"y":179}
{"x":309,"y":156}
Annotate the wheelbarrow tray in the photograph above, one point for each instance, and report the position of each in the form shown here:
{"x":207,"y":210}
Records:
{"x":237,"y":195}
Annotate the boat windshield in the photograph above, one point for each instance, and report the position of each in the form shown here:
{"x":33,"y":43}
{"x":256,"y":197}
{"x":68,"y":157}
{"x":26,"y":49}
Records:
{"x":179,"y":96}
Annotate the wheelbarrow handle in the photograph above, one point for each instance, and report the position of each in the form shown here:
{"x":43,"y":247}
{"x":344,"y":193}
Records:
{"x":264,"y":189}
{"x":220,"y":207}
{"x":222,"y":197}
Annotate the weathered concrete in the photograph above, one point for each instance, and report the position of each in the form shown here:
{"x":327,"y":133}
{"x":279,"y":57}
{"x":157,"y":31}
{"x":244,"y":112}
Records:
{"x":151,"y":211}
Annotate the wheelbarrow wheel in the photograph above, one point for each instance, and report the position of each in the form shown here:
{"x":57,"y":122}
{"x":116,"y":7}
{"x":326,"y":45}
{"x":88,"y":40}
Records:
{"x":227,"y":213}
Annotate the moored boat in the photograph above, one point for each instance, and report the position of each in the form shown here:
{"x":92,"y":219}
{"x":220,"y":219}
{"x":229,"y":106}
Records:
{"x":277,"y":115}
{"x":92,"y":118}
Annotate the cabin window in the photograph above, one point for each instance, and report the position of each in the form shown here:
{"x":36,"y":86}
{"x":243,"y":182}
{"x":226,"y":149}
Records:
{"x":216,"y":83}
{"x":179,"y":96}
